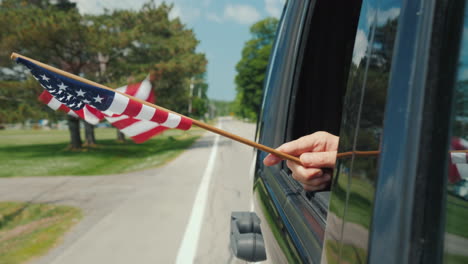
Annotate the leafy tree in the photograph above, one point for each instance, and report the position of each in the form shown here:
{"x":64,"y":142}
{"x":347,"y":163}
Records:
{"x":251,"y":68}
{"x":112,"y":48}
{"x":47,"y":33}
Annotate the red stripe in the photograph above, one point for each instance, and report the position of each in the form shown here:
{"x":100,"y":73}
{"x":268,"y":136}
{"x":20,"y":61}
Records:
{"x":121,"y":124}
{"x":132,"y":89}
{"x":140,"y":138}
{"x":80,"y":113}
{"x":151,"y":97}
{"x":95,"y":112}
{"x":64,"y":108}
{"x":133,"y":108}
{"x":45,"y":97}
{"x":159,"y":116}
{"x":185,"y":124}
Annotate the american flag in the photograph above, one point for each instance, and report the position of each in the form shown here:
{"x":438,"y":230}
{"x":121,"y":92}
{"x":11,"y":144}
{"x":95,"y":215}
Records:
{"x":76,"y":95}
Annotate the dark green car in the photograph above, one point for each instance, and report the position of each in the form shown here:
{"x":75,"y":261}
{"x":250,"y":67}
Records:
{"x":390,"y":77}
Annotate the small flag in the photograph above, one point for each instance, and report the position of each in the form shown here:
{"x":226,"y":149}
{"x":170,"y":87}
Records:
{"x":76,"y":95}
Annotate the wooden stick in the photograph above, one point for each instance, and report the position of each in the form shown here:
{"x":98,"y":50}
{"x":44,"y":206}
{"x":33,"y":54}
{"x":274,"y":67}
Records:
{"x":195,"y":122}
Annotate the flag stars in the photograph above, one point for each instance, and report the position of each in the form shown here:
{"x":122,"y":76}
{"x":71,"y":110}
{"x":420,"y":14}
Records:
{"x":45,"y":78}
{"x":62,"y":86}
{"x":98,"y":99}
{"x":69,"y":97}
{"x":86,"y":101}
{"x":81,"y":93}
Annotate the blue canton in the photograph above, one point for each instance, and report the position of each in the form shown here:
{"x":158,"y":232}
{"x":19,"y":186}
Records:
{"x":70,"y":92}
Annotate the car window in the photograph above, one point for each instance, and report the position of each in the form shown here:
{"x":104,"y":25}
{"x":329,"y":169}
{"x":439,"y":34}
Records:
{"x":355,"y":176}
{"x":321,"y":74}
{"x":456,"y":225}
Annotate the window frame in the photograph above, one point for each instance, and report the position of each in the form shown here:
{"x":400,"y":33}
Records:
{"x":314,"y":200}
{"x":410,"y":189}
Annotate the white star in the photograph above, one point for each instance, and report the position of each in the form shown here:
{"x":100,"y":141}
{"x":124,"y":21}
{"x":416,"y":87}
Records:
{"x":51,"y":91}
{"x":79,"y":104}
{"x":49,"y":86}
{"x":81,"y":93}
{"x":86,"y":101}
{"x":45,"y":78}
{"x":61,"y":99}
{"x":71,"y":105}
{"x":59,"y":92}
{"x":62,"y":86}
{"x":98,"y":99}
{"x":69,"y":97}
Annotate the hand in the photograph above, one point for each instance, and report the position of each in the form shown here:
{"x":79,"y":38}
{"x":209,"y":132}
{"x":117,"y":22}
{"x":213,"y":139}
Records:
{"x":316,"y":151}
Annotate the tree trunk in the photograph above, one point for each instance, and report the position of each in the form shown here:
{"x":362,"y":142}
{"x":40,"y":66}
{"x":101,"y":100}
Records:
{"x":90,"y":139}
{"x":120,"y":136}
{"x":74,"y":128}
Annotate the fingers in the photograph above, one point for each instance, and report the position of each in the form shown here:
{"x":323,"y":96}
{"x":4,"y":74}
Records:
{"x":312,"y":179}
{"x":298,"y":146}
{"x":319,"y":159}
{"x":271,"y":160}
{"x":316,"y":142}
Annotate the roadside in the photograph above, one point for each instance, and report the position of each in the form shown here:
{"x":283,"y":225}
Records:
{"x":140,"y":217}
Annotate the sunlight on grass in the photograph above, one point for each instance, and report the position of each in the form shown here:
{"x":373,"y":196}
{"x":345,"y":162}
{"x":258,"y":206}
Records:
{"x":30,"y":230}
{"x":45,"y":153}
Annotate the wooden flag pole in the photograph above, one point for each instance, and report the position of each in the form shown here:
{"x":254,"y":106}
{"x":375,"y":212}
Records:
{"x":195,"y":122}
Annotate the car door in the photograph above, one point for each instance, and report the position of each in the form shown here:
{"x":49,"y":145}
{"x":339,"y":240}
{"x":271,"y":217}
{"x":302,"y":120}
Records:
{"x":303,"y":94}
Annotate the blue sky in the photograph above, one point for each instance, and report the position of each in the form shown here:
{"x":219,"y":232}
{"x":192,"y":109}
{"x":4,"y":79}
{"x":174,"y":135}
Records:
{"x":222,"y":26}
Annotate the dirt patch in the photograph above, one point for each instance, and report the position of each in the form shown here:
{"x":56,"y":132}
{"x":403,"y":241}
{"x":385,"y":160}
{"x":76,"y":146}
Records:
{"x":29,"y":227}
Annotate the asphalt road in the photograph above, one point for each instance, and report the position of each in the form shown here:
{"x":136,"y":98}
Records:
{"x":176,"y":213}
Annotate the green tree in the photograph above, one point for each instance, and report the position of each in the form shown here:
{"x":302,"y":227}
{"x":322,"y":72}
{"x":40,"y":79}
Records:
{"x":51,"y":33}
{"x":111,"y":48}
{"x":251,"y":68}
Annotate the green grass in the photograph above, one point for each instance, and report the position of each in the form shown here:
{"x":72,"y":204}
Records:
{"x":30,"y":230}
{"x":455,"y":259}
{"x":45,"y":153}
{"x":349,"y":253}
{"x":457,"y":215}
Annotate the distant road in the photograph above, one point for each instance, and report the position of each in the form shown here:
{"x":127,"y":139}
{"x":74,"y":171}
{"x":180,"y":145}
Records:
{"x":142,"y":217}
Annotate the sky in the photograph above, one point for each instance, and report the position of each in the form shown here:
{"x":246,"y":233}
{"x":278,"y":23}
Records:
{"x":222,"y":26}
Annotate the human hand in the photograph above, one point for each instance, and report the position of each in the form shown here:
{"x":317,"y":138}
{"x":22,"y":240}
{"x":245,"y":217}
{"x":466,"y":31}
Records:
{"x":316,"y":151}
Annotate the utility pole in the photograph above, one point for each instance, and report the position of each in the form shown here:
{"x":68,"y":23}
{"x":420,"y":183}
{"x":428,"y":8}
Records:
{"x":191,"y":96}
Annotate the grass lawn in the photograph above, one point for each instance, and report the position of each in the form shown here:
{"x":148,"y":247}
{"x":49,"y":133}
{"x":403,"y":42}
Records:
{"x":457,"y":215}
{"x":30,"y":230}
{"x":45,"y":153}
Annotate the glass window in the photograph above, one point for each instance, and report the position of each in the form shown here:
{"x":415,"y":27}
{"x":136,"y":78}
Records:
{"x":355,"y":176}
{"x":322,"y":71}
{"x":456,"y":223}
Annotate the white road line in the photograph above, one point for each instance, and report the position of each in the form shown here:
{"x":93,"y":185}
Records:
{"x":188,"y":248}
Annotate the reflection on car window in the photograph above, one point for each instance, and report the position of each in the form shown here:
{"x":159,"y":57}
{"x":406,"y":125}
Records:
{"x":360,"y":136}
{"x":456,"y":227}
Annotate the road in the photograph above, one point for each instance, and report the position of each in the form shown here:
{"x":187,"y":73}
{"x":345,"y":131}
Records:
{"x":179,"y":212}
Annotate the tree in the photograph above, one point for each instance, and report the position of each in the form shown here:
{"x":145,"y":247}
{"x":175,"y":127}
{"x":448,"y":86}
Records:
{"x":111,"y":48}
{"x":252,"y":67}
{"x":50,"y":33}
